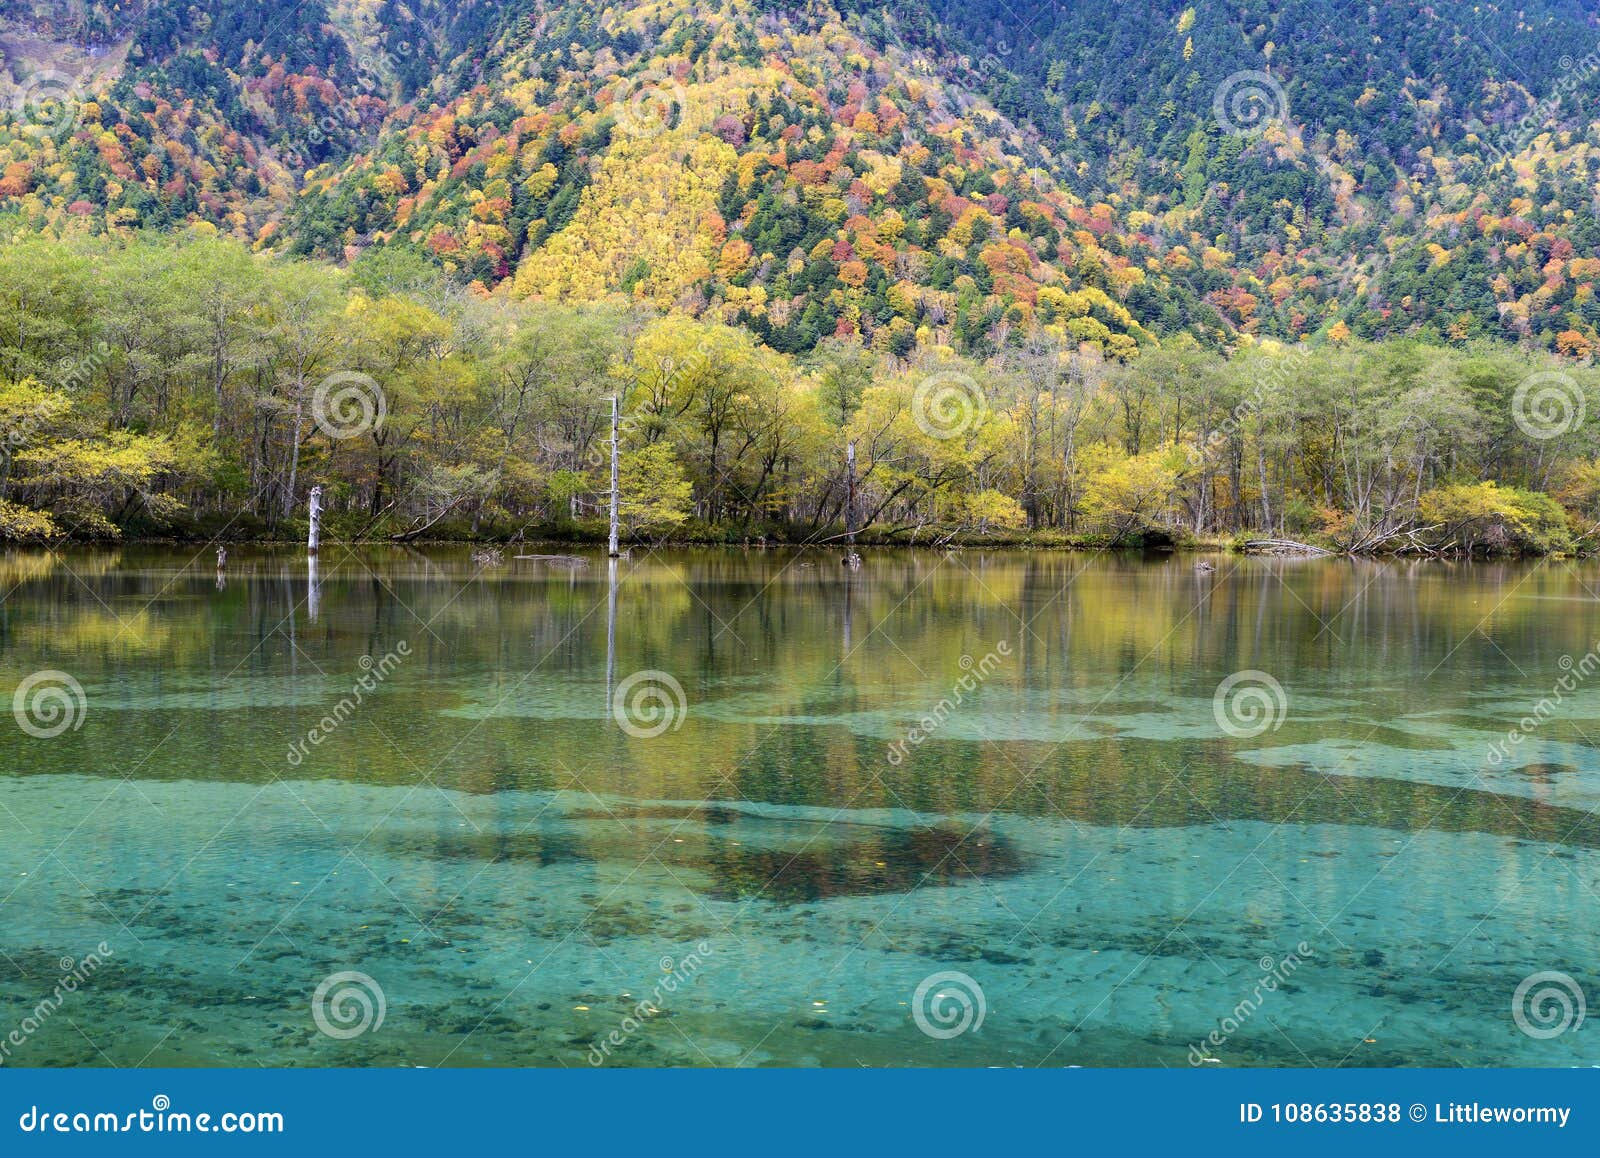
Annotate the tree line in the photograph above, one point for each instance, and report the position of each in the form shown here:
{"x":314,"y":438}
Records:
{"x":191,"y":387}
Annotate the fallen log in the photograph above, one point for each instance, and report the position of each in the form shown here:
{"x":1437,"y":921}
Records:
{"x":1283,"y":547}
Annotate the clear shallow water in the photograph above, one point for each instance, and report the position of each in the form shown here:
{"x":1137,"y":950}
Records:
{"x":517,"y":872}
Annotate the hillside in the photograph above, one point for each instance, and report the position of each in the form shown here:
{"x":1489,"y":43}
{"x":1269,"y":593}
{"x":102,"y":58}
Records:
{"x":1418,"y":165}
{"x":922,"y":173}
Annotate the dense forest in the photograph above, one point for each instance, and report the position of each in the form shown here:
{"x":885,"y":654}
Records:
{"x":189,"y":386}
{"x":924,"y":271}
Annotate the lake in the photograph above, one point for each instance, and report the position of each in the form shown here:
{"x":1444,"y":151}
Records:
{"x":758,"y":808}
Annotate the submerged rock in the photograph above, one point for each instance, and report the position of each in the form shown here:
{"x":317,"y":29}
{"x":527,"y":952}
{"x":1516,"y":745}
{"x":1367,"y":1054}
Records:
{"x":889,"y":861}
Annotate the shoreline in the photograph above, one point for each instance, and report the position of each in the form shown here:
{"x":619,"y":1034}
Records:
{"x":586,"y":544}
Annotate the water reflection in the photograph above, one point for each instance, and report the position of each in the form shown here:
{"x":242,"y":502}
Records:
{"x":1077,"y":818}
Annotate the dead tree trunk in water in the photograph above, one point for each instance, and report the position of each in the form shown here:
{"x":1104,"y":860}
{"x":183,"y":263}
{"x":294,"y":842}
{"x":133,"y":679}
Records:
{"x":314,"y":540}
{"x":611,"y":540}
{"x":850,"y":491}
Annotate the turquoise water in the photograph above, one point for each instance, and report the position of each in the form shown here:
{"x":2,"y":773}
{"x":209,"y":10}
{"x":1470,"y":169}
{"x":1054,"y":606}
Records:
{"x":738,"y":808}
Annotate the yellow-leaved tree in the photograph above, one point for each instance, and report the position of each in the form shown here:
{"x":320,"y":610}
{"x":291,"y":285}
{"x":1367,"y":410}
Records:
{"x":55,"y":479}
{"x":655,"y":493}
{"x":1131,"y":494}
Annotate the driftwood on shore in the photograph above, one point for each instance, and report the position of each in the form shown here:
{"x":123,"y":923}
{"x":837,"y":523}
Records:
{"x":1283,"y":547}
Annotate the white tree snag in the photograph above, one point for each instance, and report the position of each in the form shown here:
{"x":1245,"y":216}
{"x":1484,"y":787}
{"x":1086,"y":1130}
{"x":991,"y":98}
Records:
{"x":314,"y":541}
{"x":611,"y":542}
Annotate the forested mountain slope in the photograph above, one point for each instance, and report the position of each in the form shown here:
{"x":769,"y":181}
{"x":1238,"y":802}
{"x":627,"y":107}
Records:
{"x":1421,"y":165}
{"x":925,"y":172}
